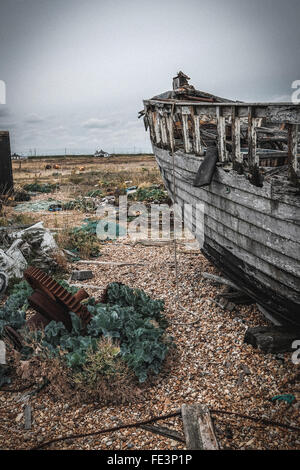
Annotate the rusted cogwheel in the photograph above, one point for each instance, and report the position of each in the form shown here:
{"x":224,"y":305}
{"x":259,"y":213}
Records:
{"x":47,"y":285}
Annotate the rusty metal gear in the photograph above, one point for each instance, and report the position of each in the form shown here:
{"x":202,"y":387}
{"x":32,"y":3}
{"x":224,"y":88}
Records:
{"x":59,"y":296}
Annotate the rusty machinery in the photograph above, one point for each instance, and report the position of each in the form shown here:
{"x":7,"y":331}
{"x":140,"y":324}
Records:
{"x":51,"y":301}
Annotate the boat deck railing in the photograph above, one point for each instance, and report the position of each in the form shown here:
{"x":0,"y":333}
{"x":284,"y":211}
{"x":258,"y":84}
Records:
{"x":269,"y":131}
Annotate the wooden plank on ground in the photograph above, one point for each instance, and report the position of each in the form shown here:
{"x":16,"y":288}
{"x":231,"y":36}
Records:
{"x":198,"y":428}
{"x":163,"y":431}
{"x":27,"y":416}
{"x":206,"y":429}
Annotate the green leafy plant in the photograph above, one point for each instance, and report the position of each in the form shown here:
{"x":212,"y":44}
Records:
{"x":80,"y":204}
{"x":82,"y":240}
{"x":41,"y":188}
{"x":14,"y":310}
{"x":127,"y":331}
{"x":151,"y":194}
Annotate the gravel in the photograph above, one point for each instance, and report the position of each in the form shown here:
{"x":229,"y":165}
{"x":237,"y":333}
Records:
{"x":211,"y":365}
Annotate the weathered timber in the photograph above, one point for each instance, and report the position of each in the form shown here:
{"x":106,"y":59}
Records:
{"x":6,"y":177}
{"x":27,"y":416}
{"x":289,"y":114}
{"x":251,"y":214}
{"x":221,"y":135}
{"x":237,"y":157}
{"x":163,"y":431}
{"x":108,"y":263}
{"x":198,"y":428}
{"x":206,"y":429}
{"x":219,"y":280}
{"x":81,"y":275}
{"x":275,"y":339}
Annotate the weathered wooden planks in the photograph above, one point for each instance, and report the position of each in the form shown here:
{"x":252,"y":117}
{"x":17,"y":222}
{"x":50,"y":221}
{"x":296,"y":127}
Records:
{"x":253,"y":252}
{"x":221,"y":135}
{"x":275,"y":113}
{"x":293,"y":136}
{"x":198,"y":428}
{"x":6,"y":177}
{"x":253,"y":227}
{"x":236,"y":136}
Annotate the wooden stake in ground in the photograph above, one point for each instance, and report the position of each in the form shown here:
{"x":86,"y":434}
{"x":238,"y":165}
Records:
{"x":27,"y":416}
{"x":198,"y":428}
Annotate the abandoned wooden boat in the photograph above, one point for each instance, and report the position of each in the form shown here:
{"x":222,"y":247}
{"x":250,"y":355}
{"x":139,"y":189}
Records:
{"x":241,"y":161}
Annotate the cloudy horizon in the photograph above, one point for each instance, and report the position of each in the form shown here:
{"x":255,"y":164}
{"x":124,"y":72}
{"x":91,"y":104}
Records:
{"x":76,"y":72}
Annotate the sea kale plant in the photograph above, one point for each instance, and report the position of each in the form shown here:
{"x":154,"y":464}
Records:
{"x":128,"y":319}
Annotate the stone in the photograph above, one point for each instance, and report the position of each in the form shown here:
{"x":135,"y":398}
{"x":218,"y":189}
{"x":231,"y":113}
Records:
{"x":81,"y":275}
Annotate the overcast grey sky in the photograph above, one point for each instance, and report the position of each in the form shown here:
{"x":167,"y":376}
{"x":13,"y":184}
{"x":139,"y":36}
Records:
{"x":77,"y":71}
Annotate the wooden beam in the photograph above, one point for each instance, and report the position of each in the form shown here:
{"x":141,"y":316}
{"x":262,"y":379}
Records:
{"x":163,"y":431}
{"x":236,"y":136}
{"x":197,"y":135}
{"x":170,"y":125}
{"x":293,"y":132}
{"x":253,"y":122}
{"x":206,"y":429}
{"x":151,"y":125}
{"x":155,"y":117}
{"x":163,"y":129}
{"x":185,"y":112}
{"x":280,"y":113}
{"x":27,"y":416}
{"x":108,"y":263}
{"x":221,"y":135}
{"x":198,"y":428}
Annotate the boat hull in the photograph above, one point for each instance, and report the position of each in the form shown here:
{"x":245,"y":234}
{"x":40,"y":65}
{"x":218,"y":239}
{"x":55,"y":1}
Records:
{"x":251,"y":234}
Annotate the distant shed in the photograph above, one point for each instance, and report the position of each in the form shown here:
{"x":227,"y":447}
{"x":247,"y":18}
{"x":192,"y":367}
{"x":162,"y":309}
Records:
{"x":6,"y":176}
{"x":101,"y":153}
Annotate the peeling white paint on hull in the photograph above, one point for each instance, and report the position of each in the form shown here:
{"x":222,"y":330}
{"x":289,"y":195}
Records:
{"x":251,"y":233}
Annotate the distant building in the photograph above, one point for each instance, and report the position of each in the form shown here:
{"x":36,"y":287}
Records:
{"x":101,"y":153}
{"x":16,"y":156}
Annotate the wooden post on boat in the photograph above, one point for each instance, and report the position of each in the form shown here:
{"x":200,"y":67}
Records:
{"x":185,"y":112}
{"x":253,"y":157}
{"x":237,"y":156}
{"x":221,"y":134}
{"x":170,"y":128}
{"x":163,"y":128}
{"x":156,"y":119}
{"x":197,"y":146}
{"x":198,"y":428}
{"x":6,"y":177}
{"x":293,"y":133}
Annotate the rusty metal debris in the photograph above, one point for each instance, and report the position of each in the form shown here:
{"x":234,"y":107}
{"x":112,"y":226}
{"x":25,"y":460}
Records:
{"x":54,"y":302}
{"x":14,"y":337}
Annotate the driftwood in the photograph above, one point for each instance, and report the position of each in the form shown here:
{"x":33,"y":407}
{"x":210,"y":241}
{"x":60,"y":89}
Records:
{"x":276,"y":339}
{"x":81,"y":275}
{"x":108,"y":263}
{"x":163,"y":431}
{"x":27,"y":416}
{"x":219,"y":280}
{"x":198,"y":428}
{"x":152,"y":242}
